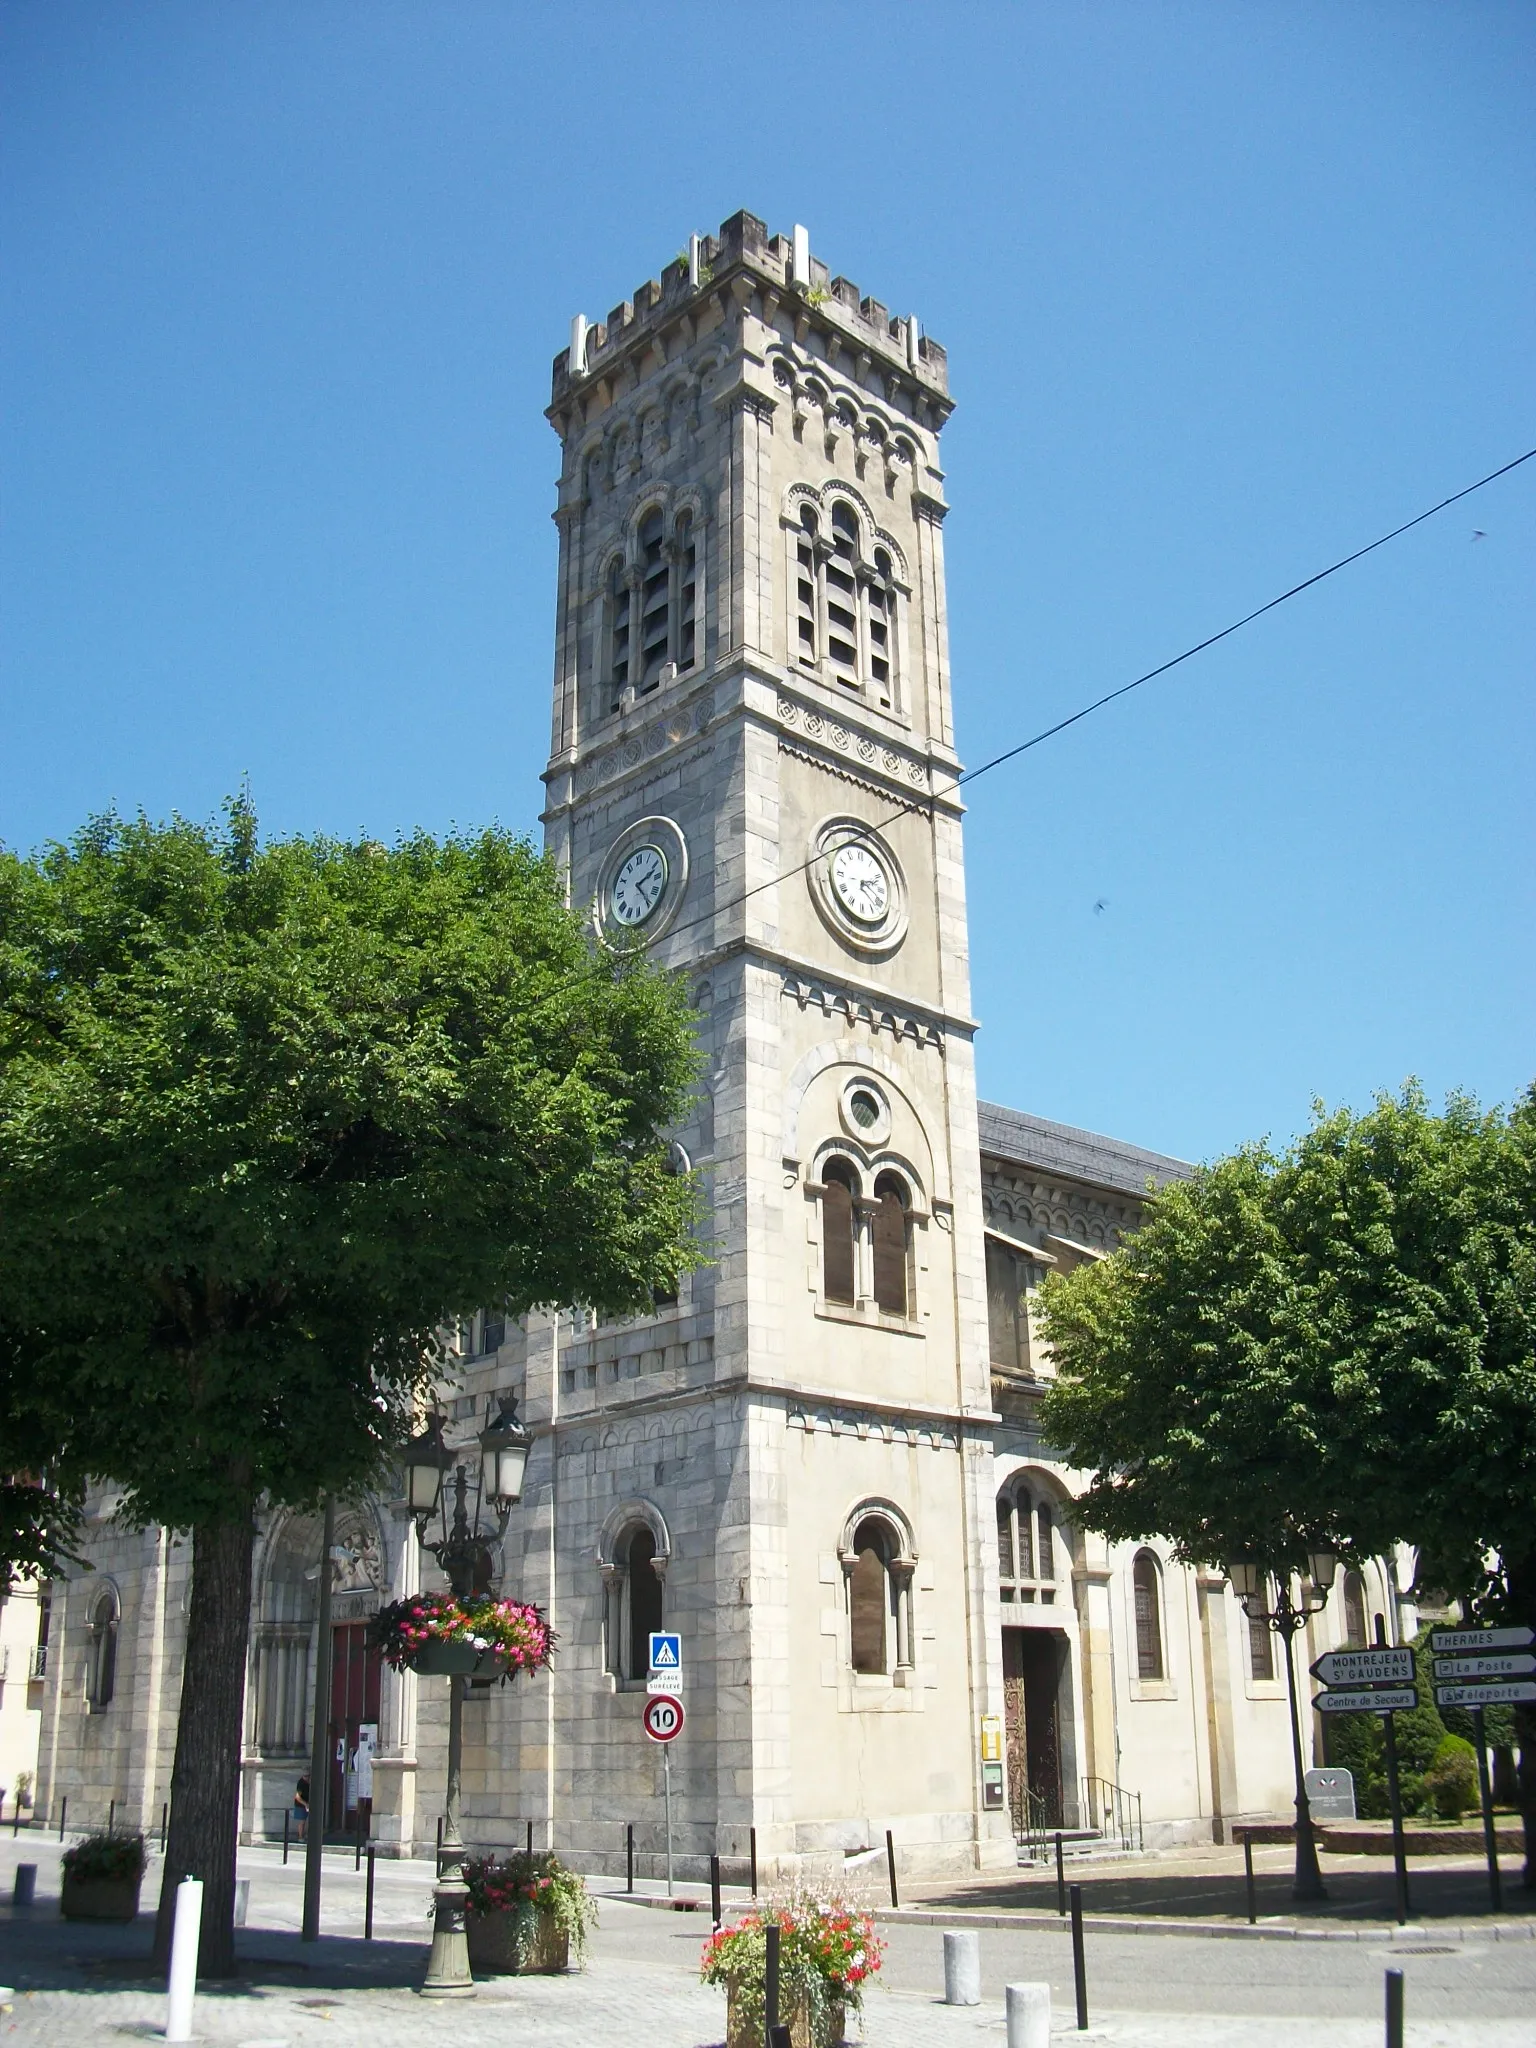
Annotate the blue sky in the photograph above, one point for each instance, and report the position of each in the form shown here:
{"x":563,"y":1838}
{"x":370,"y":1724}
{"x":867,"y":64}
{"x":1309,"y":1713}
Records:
{"x":1226,"y":289}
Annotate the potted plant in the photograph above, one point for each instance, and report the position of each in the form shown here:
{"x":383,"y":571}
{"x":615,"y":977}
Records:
{"x":525,"y":1914}
{"x":826,"y":1951}
{"x":102,"y":1875}
{"x":478,"y":1636}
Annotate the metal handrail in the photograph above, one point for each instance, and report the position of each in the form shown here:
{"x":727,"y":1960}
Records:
{"x":1034,"y":1837}
{"x":1114,"y":1811}
{"x":38,"y":1662}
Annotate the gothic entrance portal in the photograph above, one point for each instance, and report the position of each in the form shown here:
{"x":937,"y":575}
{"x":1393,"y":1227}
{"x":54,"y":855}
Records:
{"x":1033,"y":1662}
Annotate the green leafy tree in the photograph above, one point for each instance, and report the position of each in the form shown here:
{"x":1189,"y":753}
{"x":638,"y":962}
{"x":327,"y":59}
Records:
{"x":1338,"y":1340}
{"x":271,"y":1116}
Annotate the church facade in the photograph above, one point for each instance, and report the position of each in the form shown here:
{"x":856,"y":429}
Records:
{"x":821,"y":1463}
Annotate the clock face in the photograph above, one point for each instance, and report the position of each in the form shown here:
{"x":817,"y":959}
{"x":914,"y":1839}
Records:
{"x":639,"y":885}
{"x":861,"y":883}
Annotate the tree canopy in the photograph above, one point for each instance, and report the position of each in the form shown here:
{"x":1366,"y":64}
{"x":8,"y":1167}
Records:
{"x":1335,"y":1341}
{"x":271,"y":1115}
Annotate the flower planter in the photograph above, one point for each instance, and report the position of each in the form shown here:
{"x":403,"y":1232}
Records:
{"x":744,"y":2032}
{"x":100,"y":1898}
{"x":493,"y":1945}
{"x":457,"y":1660}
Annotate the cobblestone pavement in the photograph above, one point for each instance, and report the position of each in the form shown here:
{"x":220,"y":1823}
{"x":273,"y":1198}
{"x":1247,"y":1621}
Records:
{"x":87,"y":1985}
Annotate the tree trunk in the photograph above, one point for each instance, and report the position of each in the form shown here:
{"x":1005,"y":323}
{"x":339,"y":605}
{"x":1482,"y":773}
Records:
{"x":205,"y":1779}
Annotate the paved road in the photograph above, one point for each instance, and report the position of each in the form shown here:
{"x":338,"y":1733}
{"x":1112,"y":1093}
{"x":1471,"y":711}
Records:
{"x":88,"y":1986}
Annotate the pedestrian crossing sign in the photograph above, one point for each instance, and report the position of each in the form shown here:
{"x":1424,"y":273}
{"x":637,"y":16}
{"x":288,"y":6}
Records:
{"x":666,"y":1652}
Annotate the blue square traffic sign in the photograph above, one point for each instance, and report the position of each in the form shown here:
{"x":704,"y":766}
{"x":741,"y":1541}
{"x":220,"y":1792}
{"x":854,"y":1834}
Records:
{"x":666,"y":1652}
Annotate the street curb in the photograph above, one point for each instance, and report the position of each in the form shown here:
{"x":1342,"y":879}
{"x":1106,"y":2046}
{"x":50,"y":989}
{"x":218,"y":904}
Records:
{"x":1212,"y":1930}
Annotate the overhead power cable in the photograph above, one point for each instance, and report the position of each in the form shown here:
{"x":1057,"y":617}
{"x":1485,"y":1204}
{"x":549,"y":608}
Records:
{"x":907,"y":809}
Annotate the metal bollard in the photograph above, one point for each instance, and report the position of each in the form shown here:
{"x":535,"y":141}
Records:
{"x":165,"y":1821}
{"x":890,"y":1863}
{"x":111,"y":1816}
{"x":242,"y":1900}
{"x":1028,"y":2008}
{"x":771,"y":1979}
{"x":629,"y":1857}
{"x":962,"y":1968}
{"x":63,"y":1810}
{"x":1079,"y":1967}
{"x":530,"y":1838}
{"x":752,"y":1839}
{"x":357,"y":1847}
{"x":1394,"y":2009}
{"x":1253,"y":1897}
{"x":1061,"y":1879}
{"x":185,"y":1934}
{"x":368,"y":1899}
{"x":286,"y":1817}
{"x":714,"y":1891}
{"x":24,"y":1891}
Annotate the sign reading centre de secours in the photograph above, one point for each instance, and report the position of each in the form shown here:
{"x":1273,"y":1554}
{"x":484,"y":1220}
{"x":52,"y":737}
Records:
{"x":1365,"y":1667}
{"x":666,"y":1672}
{"x":1381,"y":1699}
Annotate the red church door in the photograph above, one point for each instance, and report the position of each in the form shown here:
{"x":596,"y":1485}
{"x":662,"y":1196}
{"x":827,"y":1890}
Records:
{"x":355,"y":1669}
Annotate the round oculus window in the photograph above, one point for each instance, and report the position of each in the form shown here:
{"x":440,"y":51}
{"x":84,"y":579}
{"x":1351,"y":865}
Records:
{"x":864,"y":1108}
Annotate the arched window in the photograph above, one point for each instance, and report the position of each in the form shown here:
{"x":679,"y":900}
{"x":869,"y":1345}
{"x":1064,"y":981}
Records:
{"x":635,"y":1603}
{"x":1261,"y":1646}
{"x":655,"y":593}
{"x":1145,"y":1583}
{"x":101,"y":1675}
{"x":687,"y":555}
{"x":869,"y":1598}
{"x":843,"y":595}
{"x":1354,"y":1611}
{"x":890,"y":1245}
{"x":618,"y":631}
{"x":838,"y":1188}
{"x":881,"y":610}
{"x":1026,"y":1565}
{"x":877,"y":1564}
{"x":808,"y":639}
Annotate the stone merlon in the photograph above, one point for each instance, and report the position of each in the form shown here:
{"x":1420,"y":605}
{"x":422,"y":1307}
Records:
{"x":745,"y":261}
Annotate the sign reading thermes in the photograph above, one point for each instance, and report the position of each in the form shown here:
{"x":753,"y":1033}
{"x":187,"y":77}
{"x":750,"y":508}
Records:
{"x":1455,"y":1642}
{"x":1365,"y":1667}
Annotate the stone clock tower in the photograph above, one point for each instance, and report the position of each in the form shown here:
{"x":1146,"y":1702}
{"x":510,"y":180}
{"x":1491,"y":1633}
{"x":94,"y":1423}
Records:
{"x":752,"y":769}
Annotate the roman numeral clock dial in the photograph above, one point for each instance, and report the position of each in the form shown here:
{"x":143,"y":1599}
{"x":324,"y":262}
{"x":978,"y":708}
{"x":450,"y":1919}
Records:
{"x":639,"y":885}
{"x":862,"y":885}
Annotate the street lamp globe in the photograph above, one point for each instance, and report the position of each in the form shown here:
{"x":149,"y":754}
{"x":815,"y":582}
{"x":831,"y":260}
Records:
{"x":1247,"y":1577}
{"x":1323,"y":1564}
{"x":426,"y":1460}
{"x":504,"y":1448}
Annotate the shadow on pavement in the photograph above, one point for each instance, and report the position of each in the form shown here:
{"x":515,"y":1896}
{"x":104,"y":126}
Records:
{"x":1355,"y":1893}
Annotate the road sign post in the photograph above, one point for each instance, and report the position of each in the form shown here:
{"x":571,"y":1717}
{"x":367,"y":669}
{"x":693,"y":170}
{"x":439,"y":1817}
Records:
{"x":1481,"y":1668}
{"x":662,"y":1721}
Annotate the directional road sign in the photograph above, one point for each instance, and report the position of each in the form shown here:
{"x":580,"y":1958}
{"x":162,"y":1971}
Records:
{"x":1511,"y":1664}
{"x":1456,"y":1642}
{"x":1365,"y":1667}
{"x":663,"y":1718}
{"x":1509,"y":1693}
{"x":1366,"y":1700}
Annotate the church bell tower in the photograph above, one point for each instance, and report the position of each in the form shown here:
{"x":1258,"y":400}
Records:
{"x":752,"y":769}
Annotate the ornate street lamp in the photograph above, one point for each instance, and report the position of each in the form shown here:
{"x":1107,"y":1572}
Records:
{"x":1251,"y":1581}
{"x":463,"y":1553}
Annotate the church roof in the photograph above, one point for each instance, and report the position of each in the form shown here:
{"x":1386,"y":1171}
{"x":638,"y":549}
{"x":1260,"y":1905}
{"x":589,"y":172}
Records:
{"x":1024,"y":1140}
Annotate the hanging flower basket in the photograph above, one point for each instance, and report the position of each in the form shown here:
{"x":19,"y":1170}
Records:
{"x":438,"y":1634}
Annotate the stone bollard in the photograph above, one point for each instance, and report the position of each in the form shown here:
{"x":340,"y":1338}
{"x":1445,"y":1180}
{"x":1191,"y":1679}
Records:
{"x":1029,"y":2015}
{"x":962,"y":1968}
{"x":25,"y":1889}
{"x":242,"y":1900}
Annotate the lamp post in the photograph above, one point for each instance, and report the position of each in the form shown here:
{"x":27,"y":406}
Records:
{"x":461,"y":1552}
{"x":1251,"y":1582}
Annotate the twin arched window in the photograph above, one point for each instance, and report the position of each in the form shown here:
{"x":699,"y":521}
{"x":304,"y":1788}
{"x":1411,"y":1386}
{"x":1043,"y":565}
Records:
{"x":1147,"y":1593}
{"x":843,"y":1217}
{"x":1026,"y":1547}
{"x":652,"y":607}
{"x":845,"y":606}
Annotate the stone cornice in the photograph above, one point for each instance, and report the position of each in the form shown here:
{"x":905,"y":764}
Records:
{"x":805,"y":982}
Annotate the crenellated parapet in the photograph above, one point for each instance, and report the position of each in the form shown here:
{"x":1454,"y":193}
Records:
{"x":775,"y":276}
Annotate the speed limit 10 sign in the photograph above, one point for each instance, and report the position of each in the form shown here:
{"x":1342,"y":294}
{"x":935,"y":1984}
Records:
{"x":663,"y":1718}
